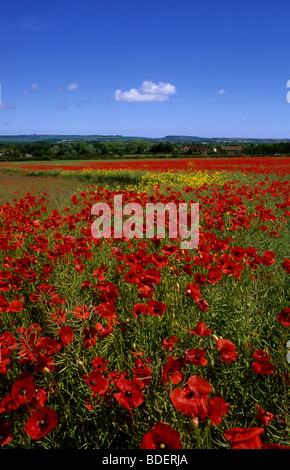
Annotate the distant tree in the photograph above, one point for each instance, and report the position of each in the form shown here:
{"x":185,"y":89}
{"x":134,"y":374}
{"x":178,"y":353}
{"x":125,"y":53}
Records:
{"x":54,"y":150}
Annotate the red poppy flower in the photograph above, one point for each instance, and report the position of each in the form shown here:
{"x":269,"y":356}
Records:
{"x":145,"y":292}
{"x":214,"y":275}
{"x":202,"y":305}
{"x":250,"y":251}
{"x":74,"y":199}
{"x":100,"y":272}
{"x":142,"y":373}
{"x":191,"y":400}
{"x":286,"y":265}
{"x":8,"y":404}
{"x":89,"y":337}
{"x":201,"y":330}
{"x":168,"y":343}
{"x":229,"y":267}
{"x":6,"y":434}
{"x":263,"y":367}
{"x":261,"y":356}
{"x":262,"y":364}
{"x":86,"y":284}
{"x":162,"y":436}
{"x":284,"y":316}
{"x":138,"y":310}
{"x":23,"y":390}
{"x":244,"y":438}
{"x":97,"y":382}
{"x":41,"y":422}
{"x":103,"y":331}
{"x":264,"y":416}
{"x":238,"y":253}
{"x":200,"y":279}
{"x":199,"y":385}
{"x":268,"y":258}
{"x":134,"y":276}
{"x":66,"y":335}
{"x":106,"y":310}
{"x":82,"y":312}
{"x":193,"y":290}
{"x":169,"y":249}
{"x":227,"y":350}
{"x":49,"y":345}
{"x":109,"y":292}
{"x":16,"y":306}
{"x":159,"y":261}
{"x":4,"y":305}
{"x":195,"y":356}
{"x":100,"y":363}
{"x":129,"y":395}
{"x":58,"y":316}
{"x":183,"y":400}
{"x":154,"y":307}
{"x":150,"y":278}
{"x":39,"y":399}
{"x":217,"y":408}
{"x":172,"y":369}
{"x":268,"y":445}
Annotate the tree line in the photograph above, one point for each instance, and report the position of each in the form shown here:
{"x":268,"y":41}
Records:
{"x":118,"y":149}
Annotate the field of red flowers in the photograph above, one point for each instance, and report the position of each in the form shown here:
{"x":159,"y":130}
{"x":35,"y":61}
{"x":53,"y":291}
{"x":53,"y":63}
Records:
{"x":262,"y":165}
{"x":136,"y":343}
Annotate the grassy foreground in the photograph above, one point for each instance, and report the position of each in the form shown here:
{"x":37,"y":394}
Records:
{"x":122,"y":344}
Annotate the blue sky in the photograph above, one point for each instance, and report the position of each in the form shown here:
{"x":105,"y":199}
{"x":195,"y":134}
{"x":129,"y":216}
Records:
{"x":145,"y":68}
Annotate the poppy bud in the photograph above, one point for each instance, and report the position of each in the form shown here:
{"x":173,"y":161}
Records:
{"x":215,"y":337}
{"x":80,"y":363}
{"x":194,"y":423}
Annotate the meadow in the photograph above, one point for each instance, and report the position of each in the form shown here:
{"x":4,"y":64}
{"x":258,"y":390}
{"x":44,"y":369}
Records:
{"x":136,"y":343}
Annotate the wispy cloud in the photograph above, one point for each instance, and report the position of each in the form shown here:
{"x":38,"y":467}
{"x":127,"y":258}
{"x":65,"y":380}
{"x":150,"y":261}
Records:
{"x":6,"y":106}
{"x":72,"y":86}
{"x":26,"y":92}
{"x":148,"y":91}
{"x":221,"y":92}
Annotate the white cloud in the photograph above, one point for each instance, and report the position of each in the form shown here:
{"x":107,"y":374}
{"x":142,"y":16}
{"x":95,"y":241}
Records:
{"x":221,"y":92}
{"x":148,"y":91}
{"x":72,"y":87}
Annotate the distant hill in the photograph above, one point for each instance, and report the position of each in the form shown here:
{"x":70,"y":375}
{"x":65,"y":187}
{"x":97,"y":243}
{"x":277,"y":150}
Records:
{"x":233,"y":140}
{"x":178,"y":139}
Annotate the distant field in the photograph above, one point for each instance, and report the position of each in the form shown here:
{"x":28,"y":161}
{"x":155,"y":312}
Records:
{"x":278,"y":159}
{"x":277,"y":165}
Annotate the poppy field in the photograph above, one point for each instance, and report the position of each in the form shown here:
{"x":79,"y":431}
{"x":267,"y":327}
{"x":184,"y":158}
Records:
{"x":135,"y":343}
